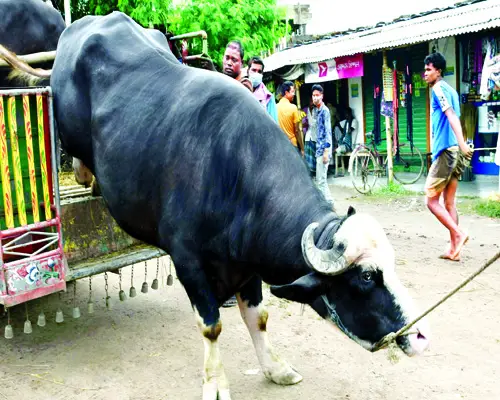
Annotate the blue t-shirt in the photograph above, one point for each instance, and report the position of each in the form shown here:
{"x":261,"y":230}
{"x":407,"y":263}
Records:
{"x":444,"y":97}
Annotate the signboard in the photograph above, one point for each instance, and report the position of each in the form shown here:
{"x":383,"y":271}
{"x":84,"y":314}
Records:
{"x":337,"y":68}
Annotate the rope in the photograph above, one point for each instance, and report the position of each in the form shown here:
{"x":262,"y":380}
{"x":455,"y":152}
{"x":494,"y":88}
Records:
{"x":390,"y":338}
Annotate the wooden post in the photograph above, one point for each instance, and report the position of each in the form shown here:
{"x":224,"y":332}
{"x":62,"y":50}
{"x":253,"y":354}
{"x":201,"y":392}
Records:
{"x":4,"y":166}
{"x":298,"y":84}
{"x":388,"y":136}
{"x":16,"y":160}
{"x":31,"y":158}
{"x":67,"y":12}
{"x":43,"y":158}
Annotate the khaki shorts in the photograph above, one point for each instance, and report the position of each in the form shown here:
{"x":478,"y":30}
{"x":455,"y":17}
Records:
{"x":451,"y":163}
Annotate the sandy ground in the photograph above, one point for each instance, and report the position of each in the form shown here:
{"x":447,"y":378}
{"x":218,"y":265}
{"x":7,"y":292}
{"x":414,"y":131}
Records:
{"x":148,"y":347}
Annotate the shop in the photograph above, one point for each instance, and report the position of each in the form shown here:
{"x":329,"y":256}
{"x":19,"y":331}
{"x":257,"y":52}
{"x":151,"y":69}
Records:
{"x":479,"y":60}
{"x":467,"y":34}
{"x":412,"y":102}
{"x":341,"y":79}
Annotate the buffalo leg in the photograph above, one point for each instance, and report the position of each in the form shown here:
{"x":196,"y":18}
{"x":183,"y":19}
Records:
{"x":255,"y":316}
{"x":206,"y":308}
{"x":83,"y":176}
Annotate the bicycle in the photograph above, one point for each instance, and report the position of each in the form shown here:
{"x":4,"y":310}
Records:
{"x":367,"y":164}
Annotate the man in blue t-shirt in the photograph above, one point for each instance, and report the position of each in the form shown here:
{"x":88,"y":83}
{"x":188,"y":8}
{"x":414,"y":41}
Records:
{"x":450,"y":153}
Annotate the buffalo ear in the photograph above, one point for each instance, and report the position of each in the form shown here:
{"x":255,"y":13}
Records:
{"x":351,"y":211}
{"x":304,"y":290}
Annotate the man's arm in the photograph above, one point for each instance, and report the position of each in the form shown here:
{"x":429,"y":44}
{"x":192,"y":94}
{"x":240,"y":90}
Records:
{"x":272,"y":109}
{"x":457,"y":130}
{"x":298,"y":133}
{"x":328,"y":135}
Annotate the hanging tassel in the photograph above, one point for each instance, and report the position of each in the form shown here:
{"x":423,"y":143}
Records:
{"x":41,"y":320}
{"x":108,"y":297}
{"x":132,"y":292}
{"x":90,"y":303}
{"x":59,"y":313}
{"x":121,"y":294}
{"x":27,"y":324}
{"x":170,"y":278}
{"x":9,"y":332}
{"x":144,"y":288}
{"x":154,"y":285}
{"x":76,"y":309}
{"x":59,"y":316}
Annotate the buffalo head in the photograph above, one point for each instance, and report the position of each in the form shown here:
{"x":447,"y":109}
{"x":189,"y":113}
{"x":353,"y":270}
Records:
{"x":353,"y":284}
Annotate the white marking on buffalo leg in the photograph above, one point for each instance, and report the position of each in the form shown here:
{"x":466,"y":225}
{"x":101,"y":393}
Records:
{"x":82,"y":174}
{"x":274,"y":369}
{"x":215,"y":383}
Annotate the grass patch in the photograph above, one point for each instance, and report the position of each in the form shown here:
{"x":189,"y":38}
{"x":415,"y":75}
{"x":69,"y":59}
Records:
{"x":488,"y":207}
{"x":392,"y":189}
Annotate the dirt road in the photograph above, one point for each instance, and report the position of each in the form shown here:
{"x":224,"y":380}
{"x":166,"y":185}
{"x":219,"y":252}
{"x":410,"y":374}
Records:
{"x":149,"y":347}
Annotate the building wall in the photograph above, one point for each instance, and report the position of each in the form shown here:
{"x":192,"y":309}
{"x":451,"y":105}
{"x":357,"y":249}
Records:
{"x":447,"y":47}
{"x":356,"y":104}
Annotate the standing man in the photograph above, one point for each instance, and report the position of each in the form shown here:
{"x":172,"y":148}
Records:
{"x":232,"y":63}
{"x":260,"y":92}
{"x":288,"y":116}
{"x":323,"y":141}
{"x":450,"y":154}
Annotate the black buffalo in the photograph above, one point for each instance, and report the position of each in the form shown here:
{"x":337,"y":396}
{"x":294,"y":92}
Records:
{"x":27,"y":27}
{"x":188,"y":161}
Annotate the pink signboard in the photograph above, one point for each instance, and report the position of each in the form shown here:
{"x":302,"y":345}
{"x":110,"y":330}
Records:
{"x":337,"y":68}
{"x":350,"y":66}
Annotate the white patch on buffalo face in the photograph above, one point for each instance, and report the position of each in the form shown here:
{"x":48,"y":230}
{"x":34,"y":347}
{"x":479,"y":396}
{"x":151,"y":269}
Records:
{"x":368,"y":247}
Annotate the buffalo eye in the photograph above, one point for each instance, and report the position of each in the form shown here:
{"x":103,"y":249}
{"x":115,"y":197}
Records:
{"x":367,"y":276}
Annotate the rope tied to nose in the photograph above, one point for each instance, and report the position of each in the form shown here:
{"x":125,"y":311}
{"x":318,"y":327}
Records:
{"x":389,"y":340}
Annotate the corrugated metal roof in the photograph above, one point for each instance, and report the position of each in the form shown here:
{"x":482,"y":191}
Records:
{"x":460,"y":20}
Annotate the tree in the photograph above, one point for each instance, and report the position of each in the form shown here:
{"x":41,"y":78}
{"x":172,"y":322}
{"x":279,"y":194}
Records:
{"x":256,"y":23}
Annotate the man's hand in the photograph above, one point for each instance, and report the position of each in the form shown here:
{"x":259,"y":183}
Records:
{"x":325,"y":157}
{"x":468,"y":152}
{"x":302,"y":152}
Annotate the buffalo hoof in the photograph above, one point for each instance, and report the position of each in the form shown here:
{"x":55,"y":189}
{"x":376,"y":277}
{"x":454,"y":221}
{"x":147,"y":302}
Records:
{"x":282,"y":373}
{"x":211,"y":391}
{"x":95,"y":189}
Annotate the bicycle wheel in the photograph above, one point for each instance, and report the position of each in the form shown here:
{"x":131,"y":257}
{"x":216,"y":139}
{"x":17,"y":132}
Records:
{"x":408,"y":164}
{"x":364,"y":169}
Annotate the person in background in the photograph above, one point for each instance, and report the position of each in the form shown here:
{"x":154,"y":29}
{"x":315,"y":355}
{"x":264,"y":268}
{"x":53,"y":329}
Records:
{"x":260,"y":92}
{"x":450,"y":154}
{"x":232,"y":63}
{"x":288,"y":116}
{"x":323,"y":141}
{"x":310,"y":134}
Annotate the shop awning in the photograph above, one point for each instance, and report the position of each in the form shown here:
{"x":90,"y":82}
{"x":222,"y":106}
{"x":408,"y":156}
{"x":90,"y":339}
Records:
{"x":457,"y":21}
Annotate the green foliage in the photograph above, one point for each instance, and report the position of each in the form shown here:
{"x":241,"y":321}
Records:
{"x":256,"y":23}
{"x":392,"y":189}
{"x":488,"y":208}
{"x":102,"y":7}
{"x":148,"y":13}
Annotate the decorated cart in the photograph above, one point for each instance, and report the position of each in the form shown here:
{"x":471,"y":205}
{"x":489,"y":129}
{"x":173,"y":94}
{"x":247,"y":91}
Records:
{"x":51,"y":235}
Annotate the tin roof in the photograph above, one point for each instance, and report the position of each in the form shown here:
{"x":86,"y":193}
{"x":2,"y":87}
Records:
{"x":435,"y":24}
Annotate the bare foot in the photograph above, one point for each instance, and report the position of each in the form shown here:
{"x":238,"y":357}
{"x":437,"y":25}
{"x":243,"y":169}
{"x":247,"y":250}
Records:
{"x":460,"y":241}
